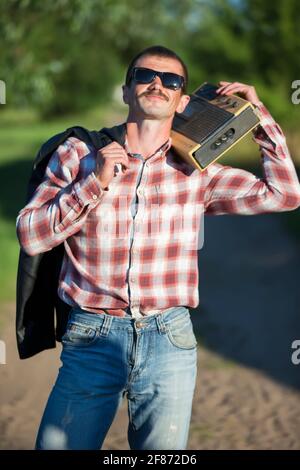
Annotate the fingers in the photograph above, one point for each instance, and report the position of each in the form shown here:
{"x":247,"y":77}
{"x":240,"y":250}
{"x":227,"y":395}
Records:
{"x":228,"y":88}
{"x":114,"y":153}
{"x":113,"y":149}
{"x":247,"y":92}
{"x":120,"y":160}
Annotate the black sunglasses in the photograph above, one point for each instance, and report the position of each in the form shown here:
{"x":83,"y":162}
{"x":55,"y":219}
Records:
{"x":168,"y":79}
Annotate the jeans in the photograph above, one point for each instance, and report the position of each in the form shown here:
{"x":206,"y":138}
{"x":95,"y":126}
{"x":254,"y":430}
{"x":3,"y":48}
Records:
{"x":153,"y":361}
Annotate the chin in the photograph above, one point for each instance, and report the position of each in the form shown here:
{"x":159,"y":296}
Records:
{"x":154,"y":114}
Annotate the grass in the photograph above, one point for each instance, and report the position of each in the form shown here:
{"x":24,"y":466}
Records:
{"x":216,"y":362}
{"x":21,"y":133}
{"x":9,"y":257}
{"x":202,"y":431}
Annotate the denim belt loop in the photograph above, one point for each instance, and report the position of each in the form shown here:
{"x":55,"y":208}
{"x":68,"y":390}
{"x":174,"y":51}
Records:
{"x":105,"y":327}
{"x":160,"y":323}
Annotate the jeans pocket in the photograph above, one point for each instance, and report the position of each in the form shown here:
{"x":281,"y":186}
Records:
{"x":181,"y":334}
{"x":80,"y":334}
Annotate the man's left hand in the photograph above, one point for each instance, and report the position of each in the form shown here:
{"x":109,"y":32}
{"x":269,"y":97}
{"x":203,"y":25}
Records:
{"x":247,"y":92}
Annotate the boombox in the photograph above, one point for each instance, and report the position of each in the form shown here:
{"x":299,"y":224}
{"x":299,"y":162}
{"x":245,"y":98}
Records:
{"x":210,"y":125}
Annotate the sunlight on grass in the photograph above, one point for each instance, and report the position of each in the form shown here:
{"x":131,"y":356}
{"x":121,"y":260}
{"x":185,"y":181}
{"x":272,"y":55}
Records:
{"x":202,"y":431}
{"x":9,"y":256}
{"x":22,"y":133}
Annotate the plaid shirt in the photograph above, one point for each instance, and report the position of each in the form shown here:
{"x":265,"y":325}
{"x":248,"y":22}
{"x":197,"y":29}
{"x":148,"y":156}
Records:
{"x":121,"y":255}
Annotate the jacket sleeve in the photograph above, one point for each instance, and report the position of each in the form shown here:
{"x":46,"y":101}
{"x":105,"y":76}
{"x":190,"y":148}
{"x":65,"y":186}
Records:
{"x":60,"y":204}
{"x":236,"y":191}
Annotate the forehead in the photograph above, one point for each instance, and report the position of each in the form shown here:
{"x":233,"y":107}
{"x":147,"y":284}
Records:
{"x":161,"y":64}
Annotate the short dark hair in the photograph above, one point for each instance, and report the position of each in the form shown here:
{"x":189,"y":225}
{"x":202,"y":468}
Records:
{"x":159,"y":51}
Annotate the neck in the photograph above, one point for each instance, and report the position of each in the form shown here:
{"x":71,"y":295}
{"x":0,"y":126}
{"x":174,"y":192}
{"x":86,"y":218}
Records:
{"x":148,"y":135}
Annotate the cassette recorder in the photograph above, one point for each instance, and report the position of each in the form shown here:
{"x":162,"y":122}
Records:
{"x":210,"y":125}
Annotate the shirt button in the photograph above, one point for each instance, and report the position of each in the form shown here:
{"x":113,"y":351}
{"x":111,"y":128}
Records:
{"x":139,"y":324}
{"x":95,"y":196}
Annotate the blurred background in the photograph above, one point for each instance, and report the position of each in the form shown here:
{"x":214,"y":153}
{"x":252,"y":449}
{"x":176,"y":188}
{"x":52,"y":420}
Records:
{"x":63,"y":63}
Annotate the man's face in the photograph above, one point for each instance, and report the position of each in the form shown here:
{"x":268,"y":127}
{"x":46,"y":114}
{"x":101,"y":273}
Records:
{"x":153,"y":100}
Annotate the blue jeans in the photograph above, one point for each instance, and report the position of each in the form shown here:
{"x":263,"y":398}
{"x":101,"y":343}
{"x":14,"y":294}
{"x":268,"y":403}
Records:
{"x":153,"y":361}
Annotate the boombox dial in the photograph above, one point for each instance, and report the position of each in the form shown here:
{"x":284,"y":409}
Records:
{"x":228,"y":102}
{"x":223,"y":138}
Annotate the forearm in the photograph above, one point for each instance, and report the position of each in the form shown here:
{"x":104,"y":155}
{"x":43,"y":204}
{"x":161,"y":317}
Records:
{"x":44,"y":224}
{"x":281,"y":183}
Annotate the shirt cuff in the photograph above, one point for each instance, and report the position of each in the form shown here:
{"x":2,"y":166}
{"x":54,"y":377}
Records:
{"x":268,"y":133}
{"x":88,"y":191}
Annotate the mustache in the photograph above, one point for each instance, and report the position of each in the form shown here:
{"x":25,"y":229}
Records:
{"x":152,"y":93}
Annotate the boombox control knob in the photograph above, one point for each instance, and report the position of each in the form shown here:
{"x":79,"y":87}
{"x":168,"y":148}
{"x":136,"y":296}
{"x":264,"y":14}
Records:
{"x":228,"y":101}
{"x":224,"y":137}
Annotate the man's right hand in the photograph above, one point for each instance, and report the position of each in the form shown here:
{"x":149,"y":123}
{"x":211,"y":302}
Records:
{"x":107,"y":158}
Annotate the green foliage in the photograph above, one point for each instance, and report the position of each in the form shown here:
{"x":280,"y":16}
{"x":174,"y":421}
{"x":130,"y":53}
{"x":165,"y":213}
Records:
{"x":68,"y":55}
{"x":56,"y":58}
{"x":250,"y":41}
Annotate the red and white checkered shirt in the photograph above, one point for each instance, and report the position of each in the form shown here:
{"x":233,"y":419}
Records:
{"x":143,"y":256}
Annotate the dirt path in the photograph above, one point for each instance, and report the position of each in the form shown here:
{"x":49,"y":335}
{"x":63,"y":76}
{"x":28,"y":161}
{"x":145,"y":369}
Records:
{"x":248,"y":391}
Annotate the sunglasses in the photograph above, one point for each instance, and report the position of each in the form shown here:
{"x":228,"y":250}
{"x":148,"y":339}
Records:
{"x":168,"y":79}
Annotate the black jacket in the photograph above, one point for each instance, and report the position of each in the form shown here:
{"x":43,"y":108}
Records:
{"x":37,"y":280}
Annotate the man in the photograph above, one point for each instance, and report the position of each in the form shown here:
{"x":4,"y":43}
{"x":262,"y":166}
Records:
{"x":129,"y":331}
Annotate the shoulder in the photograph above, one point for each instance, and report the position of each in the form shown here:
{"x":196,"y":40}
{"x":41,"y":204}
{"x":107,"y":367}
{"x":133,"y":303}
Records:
{"x":73,"y":144}
{"x":73,"y":149}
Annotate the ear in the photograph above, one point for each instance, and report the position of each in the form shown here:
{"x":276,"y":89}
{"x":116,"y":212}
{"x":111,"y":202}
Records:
{"x":125,"y":93}
{"x":184,"y":100}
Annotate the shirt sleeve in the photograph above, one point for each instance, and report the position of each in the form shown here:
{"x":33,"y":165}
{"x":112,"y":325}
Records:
{"x":60,"y":204}
{"x":236,"y":191}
